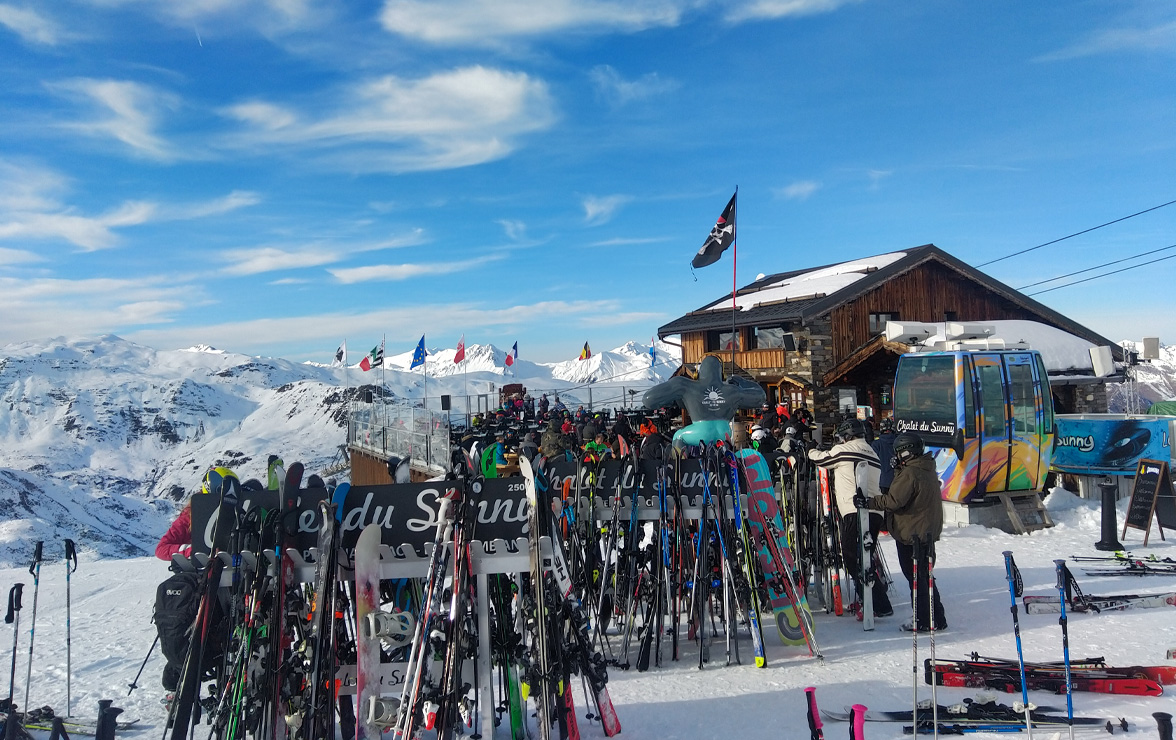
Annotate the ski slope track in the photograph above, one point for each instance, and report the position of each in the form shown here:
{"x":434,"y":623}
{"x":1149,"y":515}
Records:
{"x":101,"y":439}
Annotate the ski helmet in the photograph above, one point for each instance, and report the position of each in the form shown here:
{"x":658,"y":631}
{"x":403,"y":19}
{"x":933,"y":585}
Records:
{"x":907,"y":446}
{"x":886,"y":425}
{"x":851,"y":429}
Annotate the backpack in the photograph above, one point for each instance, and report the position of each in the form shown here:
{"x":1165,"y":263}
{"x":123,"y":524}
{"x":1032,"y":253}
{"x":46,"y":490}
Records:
{"x":177,"y":601}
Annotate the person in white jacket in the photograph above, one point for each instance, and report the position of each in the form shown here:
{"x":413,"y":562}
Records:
{"x":842,"y":459}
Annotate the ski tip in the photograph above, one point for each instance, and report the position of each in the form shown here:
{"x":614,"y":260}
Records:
{"x":760,"y":662}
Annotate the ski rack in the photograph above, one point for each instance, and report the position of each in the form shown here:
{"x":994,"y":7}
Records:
{"x":489,"y":557}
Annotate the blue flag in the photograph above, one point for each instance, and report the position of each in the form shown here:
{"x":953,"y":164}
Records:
{"x":418,"y":356}
{"x":652,"y":354}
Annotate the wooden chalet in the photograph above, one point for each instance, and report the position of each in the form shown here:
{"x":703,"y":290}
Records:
{"x":814,"y":336}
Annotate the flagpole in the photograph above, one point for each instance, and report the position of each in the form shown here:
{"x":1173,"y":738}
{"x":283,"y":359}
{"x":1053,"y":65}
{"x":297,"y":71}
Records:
{"x":734,"y":283}
{"x":383,"y":339}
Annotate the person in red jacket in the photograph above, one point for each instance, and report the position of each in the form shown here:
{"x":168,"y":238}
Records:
{"x":178,"y":538}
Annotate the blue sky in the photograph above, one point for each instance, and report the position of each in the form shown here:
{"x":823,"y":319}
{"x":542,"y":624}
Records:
{"x":272,"y":176}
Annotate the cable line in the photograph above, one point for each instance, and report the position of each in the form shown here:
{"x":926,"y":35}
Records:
{"x":1096,"y":267}
{"x":1079,"y":233}
{"x":1105,"y":274}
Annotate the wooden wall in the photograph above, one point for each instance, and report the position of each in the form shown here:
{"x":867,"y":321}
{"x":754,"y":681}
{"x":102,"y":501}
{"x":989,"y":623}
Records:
{"x":923,"y":294}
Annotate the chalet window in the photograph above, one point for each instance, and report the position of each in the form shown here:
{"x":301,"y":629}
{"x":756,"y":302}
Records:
{"x":878,"y":321}
{"x":772,"y":337}
{"x":719,"y":341}
{"x":950,"y":316}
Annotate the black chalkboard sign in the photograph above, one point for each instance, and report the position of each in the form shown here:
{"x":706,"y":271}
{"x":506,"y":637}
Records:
{"x":1152,"y":495}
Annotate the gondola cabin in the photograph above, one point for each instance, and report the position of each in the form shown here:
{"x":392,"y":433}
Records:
{"x":987,"y":415}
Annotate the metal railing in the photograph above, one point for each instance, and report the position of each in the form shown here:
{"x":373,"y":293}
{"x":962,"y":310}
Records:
{"x":386,"y":428}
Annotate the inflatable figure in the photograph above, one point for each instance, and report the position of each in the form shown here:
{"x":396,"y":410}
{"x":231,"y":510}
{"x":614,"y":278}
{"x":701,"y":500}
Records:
{"x":711,"y":401}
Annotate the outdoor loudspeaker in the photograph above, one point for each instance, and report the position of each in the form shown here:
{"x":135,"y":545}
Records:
{"x":960,"y":331}
{"x":1151,"y":348}
{"x":909,"y":332}
{"x":1100,"y":358}
{"x":444,"y":403}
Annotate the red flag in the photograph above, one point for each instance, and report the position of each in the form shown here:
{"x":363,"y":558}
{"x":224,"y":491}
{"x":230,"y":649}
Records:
{"x":460,"y":350}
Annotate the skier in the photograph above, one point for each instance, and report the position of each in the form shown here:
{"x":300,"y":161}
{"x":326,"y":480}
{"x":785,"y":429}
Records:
{"x":884,"y":447}
{"x":551,"y":444}
{"x":843,"y":459}
{"x":914,"y":509}
{"x":178,"y":538}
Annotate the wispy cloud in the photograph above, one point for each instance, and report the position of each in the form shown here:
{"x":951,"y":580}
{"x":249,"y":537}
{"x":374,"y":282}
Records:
{"x":450,"y":119}
{"x":515,"y":230}
{"x":799,"y":190}
{"x":30,"y":25}
{"x":17,"y":256}
{"x":615,"y":89}
{"x":257,"y":260}
{"x":630,"y":241}
{"x":268,"y":17}
{"x":388,"y":273}
{"x":402,"y":324}
{"x":484,"y":22}
{"x":877,"y":176}
{"x":600,"y":209}
{"x":766,"y":9}
{"x":128,"y":112}
{"x":31,"y":207}
{"x":42,"y":306}
{"x":1112,"y":40}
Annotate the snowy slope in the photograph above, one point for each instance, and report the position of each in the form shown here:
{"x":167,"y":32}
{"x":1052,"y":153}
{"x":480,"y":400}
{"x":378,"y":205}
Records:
{"x":100,"y":438}
{"x":111,"y":633}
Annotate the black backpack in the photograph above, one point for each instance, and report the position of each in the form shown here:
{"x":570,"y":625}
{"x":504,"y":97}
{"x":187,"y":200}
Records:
{"x":176,"y":602}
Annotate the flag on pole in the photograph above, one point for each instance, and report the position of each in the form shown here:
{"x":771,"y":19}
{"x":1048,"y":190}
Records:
{"x":721,"y":237}
{"x":512,"y":355}
{"x":341,"y":355}
{"x":418,"y":355}
{"x":460,"y":355}
{"x":375,"y":358}
{"x":586,"y":352}
{"x":652,"y":352}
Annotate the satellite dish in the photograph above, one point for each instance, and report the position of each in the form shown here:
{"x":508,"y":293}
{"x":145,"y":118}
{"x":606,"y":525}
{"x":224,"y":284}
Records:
{"x":909,"y":332}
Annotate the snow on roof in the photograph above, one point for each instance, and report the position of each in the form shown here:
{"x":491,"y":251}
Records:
{"x":825,"y":281}
{"x":1060,"y":350}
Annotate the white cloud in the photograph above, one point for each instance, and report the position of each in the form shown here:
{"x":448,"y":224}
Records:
{"x":31,"y":207}
{"x":30,"y":25}
{"x":450,"y":119}
{"x":515,"y":230}
{"x":402,"y":324}
{"x":252,"y":261}
{"x":768,"y":9}
{"x":17,"y":256}
{"x":1111,"y":40}
{"x":483,"y":22}
{"x":35,"y":307}
{"x":269,"y":259}
{"x":629,"y":241}
{"x":877,"y":176}
{"x":125,"y":111}
{"x":799,"y":190}
{"x":600,"y":210}
{"x":370,"y":273}
{"x":268,"y":17}
{"x":614,"y":88}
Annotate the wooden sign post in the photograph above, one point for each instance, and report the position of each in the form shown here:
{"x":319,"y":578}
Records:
{"x":1151,"y":495}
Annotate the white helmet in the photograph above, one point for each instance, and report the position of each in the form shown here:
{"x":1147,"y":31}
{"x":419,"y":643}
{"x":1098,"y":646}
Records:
{"x":758,"y":434}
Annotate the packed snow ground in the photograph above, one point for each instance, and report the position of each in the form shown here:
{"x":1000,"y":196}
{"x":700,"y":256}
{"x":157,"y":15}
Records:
{"x":112,"y":631}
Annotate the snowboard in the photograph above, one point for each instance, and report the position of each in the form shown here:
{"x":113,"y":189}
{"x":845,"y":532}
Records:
{"x":765,"y":519}
{"x":367,"y":653}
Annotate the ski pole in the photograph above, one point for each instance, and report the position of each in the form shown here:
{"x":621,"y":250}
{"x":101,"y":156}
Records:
{"x":35,"y":571}
{"x":928,"y":557}
{"x":1163,"y":724}
{"x":135,"y":683}
{"x":13,"y":618}
{"x":915,"y":556}
{"x":71,"y":556}
{"x":814,"y":717}
{"x":857,"y":723}
{"x":1016,"y":588}
{"x":1060,"y":566}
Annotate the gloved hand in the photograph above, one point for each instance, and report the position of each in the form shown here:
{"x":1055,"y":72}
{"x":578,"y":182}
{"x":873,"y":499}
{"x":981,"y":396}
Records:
{"x":859,"y":501}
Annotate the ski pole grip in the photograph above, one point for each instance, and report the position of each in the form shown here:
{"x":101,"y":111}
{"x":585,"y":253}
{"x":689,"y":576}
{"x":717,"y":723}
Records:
{"x":71,"y":554}
{"x":1060,"y":565}
{"x":13,"y":602}
{"x":857,"y":725}
{"x":1164,"y":724}
{"x":37,"y":557}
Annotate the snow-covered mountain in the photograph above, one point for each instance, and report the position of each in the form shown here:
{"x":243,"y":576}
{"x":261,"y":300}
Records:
{"x":102,"y":438}
{"x":1152,"y":380}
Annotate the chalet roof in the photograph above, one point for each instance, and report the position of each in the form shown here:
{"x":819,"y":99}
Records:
{"x":801,"y":295}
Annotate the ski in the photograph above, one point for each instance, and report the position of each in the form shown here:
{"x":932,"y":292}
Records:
{"x":1096,"y":604}
{"x":865,"y":553}
{"x":1007,"y":678}
{"x":970,"y":713}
